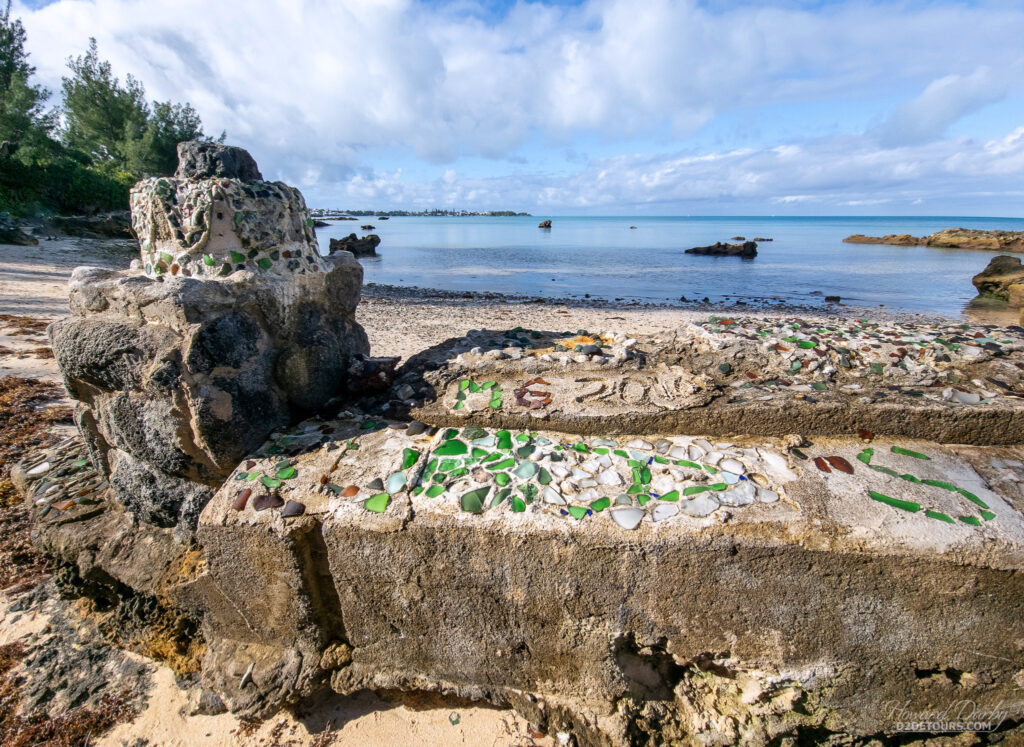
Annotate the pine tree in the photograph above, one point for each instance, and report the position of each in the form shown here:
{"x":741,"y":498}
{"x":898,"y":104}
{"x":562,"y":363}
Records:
{"x":25,"y":126}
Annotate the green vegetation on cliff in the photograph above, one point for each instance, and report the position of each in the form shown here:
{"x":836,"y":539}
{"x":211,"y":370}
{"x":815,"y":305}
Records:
{"x":85,"y":154}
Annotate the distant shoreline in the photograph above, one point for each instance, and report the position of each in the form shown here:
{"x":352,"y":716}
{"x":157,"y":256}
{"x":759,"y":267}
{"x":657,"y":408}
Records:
{"x":324,"y":214}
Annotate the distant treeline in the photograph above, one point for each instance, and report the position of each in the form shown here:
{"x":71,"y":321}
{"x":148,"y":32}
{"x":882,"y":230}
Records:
{"x":321,"y":212}
{"x":84,"y":154}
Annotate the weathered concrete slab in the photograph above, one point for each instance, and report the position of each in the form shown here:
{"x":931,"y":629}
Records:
{"x":799,"y":585}
{"x":952,"y":384}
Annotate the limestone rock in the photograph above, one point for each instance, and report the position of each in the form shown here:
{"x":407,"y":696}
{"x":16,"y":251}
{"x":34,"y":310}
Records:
{"x":544,"y":224}
{"x":202,"y":160}
{"x":996,"y":279}
{"x":746,"y":250}
{"x":11,"y":233}
{"x":177,"y":379}
{"x":895,"y":239}
{"x":1016,"y":294}
{"x":967,"y":238}
{"x":360,"y":247}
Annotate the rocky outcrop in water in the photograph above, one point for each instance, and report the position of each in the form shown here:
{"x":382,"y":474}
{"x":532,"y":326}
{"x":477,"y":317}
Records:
{"x":747,"y":250}
{"x":544,"y":224}
{"x":234,"y":327}
{"x":950,"y":238}
{"x":1002,"y":278}
{"x":365,"y":246}
{"x":893,"y":239}
{"x":967,"y":238}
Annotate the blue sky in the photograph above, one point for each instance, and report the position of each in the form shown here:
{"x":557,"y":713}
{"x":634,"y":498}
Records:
{"x":591,"y":106}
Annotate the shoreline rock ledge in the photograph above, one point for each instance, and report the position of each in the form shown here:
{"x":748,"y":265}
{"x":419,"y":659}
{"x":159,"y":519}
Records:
{"x":950,"y":238}
{"x":230,"y":326}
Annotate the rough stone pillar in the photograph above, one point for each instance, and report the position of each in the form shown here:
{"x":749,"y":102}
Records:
{"x":230,"y":326}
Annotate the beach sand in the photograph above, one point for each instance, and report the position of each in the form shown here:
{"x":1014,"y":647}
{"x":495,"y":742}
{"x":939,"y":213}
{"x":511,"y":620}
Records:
{"x":402,"y":322}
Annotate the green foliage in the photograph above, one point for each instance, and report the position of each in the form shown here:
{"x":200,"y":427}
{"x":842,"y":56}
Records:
{"x":110,"y":139}
{"x":24,"y":125}
{"x":102,"y":116}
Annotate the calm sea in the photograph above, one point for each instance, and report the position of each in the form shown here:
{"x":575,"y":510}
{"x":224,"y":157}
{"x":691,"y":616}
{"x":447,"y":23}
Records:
{"x":605,"y":258}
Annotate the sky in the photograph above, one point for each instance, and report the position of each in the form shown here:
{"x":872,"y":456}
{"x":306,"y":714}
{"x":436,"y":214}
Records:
{"x":590,"y":107}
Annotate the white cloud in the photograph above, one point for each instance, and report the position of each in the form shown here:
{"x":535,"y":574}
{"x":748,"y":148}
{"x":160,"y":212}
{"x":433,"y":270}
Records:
{"x":831,"y":172}
{"x":945,"y":101}
{"x":316,"y":89}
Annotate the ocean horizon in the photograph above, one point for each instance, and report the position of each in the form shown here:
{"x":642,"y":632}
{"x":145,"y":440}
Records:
{"x":604,"y":258}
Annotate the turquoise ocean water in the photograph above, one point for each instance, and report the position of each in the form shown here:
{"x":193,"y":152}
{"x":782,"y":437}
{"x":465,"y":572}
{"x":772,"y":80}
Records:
{"x":603,"y":257}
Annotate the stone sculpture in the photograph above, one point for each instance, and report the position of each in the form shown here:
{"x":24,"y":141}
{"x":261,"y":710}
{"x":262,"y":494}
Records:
{"x":234,"y":326}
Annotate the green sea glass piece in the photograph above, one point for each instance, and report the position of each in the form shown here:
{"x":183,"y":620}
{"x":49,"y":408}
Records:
{"x":987,"y":515}
{"x":526,"y":470}
{"x":972,"y":498}
{"x":473,"y":501}
{"x":237,"y":257}
{"x":694,"y":489}
{"x":529,"y":492}
{"x":435,"y":490}
{"x":377,"y":503}
{"x":286,"y":474}
{"x":503,"y":464}
{"x":577,"y":512}
{"x":270,"y":482}
{"x":974,"y":521}
{"x":877,"y":368}
{"x":643,"y":499}
{"x":451,"y":448}
{"x":543,"y":476}
{"x":502,"y":479}
{"x":940,"y":516}
{"x":909,"y":453}
{"x":687,"y":463}
{"x":518,"y":506}
{"x":504,"y":440}
{"x":895,"y":502}
{"x":672,"y":495}
{"x":601,"y":504}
